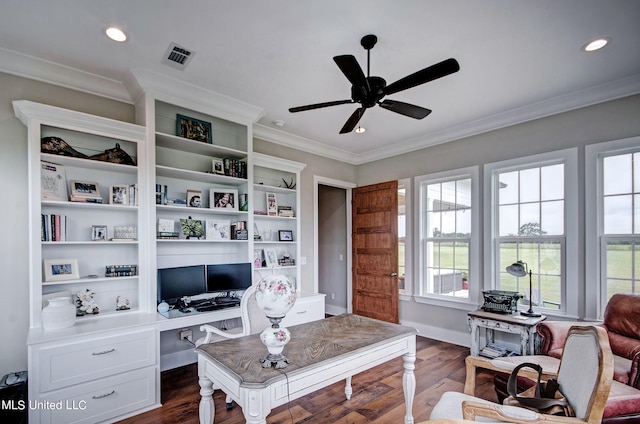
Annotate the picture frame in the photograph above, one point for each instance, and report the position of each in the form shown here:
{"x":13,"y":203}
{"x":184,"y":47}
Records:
{"x":60,"y":269}
{"x":193,"y":129}
{"x":53,"y":181}
{"x":217,"y":166}
{"x":125,"y":232}
{"x":272,"y":204}
{"x":223,"y":198}
{"x":84,"y":189}
{"x":218,"y":229}
{"x":257,"y":258}
{"x":270,"y":258}
{"x":192,"y":228}
{"x":119,"y":194}
{"x":194,"y":198}
{"x":285,"y":235}
{"x":98,"y":233}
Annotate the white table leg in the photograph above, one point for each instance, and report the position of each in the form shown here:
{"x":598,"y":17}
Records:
{"x":475,"y":337}
{"x":207,"y":410}
{"x":409,"y":385}
{"x":348,"y":391}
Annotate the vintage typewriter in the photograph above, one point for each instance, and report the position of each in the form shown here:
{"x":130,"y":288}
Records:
{"x":500,"y":301}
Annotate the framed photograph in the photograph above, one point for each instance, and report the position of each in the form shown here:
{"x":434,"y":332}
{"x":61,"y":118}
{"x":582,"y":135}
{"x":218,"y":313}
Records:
{"x":285,"y":235}
{"x":217,"y":166}
{"x":270,"y":258}
{"x":99,"y":233}
{"x":257,"y":258}
{"x":61,"y":269}
{"x":192,"y":228}
{"x":272,"y":204}
{"x":193,"y":129}
{"x":223,"y":198}
{"x":194,"y":198}
{"x":84,"y":189}
{"x":119,"y":194}
{"x":53,"y":184}
{"x":218,"y":229}
{"x":125,"y":232}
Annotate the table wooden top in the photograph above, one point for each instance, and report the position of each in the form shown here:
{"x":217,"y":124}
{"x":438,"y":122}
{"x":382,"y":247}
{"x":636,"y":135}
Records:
{"x":311,"y":344}
{"x":514,"y":318}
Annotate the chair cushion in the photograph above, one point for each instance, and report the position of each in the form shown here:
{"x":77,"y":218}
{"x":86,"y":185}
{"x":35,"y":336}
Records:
{"x":450,"y":406}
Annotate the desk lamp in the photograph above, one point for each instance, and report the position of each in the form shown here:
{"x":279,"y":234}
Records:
{"x":520,"y":269}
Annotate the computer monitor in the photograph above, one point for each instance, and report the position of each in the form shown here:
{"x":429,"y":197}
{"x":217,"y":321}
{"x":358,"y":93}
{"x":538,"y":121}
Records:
{"x":174,"y":283}
{"x":228,"y":277}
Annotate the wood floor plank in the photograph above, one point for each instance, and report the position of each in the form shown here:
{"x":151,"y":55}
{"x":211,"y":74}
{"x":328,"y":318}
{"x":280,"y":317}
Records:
{"x":377,"y":396}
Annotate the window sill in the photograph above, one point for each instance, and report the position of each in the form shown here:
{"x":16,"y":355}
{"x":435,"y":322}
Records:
{"x":453,"y":303}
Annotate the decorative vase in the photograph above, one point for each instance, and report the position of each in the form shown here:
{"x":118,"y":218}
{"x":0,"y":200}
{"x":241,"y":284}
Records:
{"x":60,"y":313}
{"x":275,"y":295}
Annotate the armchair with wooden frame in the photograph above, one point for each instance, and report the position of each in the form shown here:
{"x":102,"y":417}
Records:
{"x":584,"y":375}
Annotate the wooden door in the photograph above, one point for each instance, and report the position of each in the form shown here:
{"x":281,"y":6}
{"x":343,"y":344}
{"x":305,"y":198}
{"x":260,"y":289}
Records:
{"x":375,"y":251}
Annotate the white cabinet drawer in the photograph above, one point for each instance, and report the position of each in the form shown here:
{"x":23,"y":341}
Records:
{"x":306,"y":309}
{"x":87,"y":359}
{"x":97,"y":401}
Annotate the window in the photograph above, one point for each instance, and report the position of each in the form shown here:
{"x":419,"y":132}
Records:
{"x":531,"y":200}
{"x":613,"y":246}
{"x":447,"y":254}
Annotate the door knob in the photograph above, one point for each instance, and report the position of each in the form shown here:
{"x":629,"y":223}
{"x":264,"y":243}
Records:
{"x":394,"y":274}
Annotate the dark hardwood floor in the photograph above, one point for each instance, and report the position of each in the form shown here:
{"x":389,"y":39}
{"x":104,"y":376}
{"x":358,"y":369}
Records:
{"x":377,"y":393}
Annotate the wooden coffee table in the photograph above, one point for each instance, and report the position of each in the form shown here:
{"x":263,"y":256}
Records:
{"x":321,"y":353}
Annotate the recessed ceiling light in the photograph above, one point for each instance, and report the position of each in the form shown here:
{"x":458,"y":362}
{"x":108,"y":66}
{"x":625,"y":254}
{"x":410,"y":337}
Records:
{"x":116,"y":34}
{"x":360,"y":130}
{"x":596,"y":44}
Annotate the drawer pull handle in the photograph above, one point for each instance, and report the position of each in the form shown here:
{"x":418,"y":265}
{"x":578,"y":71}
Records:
{"x":301,"y":312}
{"x":104,"y":352}
{"x":113,"y":392}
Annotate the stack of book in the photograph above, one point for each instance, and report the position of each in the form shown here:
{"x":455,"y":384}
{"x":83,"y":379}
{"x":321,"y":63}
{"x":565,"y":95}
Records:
{"x":285,"y":211}
{"x":493,"y":351}
{"x":239,"y":230}
{"x":167,"y":235}
{"x":235,"y":168}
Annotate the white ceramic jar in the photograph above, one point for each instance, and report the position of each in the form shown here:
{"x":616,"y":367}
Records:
{"x":59,"y":313}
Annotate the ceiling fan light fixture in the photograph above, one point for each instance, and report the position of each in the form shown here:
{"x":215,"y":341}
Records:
{"x":596,"y":44}
{"x":360,"y":130}
{"x":116,"y":34}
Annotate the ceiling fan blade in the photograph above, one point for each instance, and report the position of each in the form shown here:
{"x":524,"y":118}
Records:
{"x":351,"y":69}
{"x":353,"y":120}
{"x":319,"y":105}
{"x":406,"y":109}
{"x":425,"y":75}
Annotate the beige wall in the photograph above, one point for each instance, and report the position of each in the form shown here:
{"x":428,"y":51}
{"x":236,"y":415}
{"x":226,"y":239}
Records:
{"x":14,"y":313}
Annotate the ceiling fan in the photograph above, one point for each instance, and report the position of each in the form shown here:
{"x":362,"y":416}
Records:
{"x":370,"y":91}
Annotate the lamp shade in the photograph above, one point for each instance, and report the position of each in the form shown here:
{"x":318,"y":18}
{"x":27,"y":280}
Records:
{"x":517,"y":269}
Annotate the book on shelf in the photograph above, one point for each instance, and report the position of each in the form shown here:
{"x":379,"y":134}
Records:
{"x":85,"y":199}
{"x":53,"y":227}
{"x":53,"y":182}
{"x":285,"y":211}
{"x":493,"y":351}
{"x":120,"y":270}
{"x":167,"y":235}
{"x":235,"y":168}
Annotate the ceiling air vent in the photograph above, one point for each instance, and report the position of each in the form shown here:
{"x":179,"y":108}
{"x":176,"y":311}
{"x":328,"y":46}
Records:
{"x":177,"y":56}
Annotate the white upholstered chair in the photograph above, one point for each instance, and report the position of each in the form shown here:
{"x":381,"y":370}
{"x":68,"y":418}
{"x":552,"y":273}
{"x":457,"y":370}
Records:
{"x":253,"y":321}
{"x":584,"y":376}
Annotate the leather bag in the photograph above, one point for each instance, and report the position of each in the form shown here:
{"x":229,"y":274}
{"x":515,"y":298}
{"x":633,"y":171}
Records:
{"x":544,"y":397}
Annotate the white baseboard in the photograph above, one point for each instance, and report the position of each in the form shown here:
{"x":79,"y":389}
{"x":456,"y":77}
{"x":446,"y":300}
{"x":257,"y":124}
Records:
{"x":169,"y":361}
{"x":334,"y":310}
{"x":441,"y":334}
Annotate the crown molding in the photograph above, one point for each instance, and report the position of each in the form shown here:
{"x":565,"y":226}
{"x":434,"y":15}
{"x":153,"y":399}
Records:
{"x":293,"y":141}
{"x":14,"y":63}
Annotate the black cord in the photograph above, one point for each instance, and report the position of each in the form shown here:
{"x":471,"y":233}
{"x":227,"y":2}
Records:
{"x":288,"y":394}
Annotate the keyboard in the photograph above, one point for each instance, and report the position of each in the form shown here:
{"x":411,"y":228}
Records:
{"x":209,"y":307}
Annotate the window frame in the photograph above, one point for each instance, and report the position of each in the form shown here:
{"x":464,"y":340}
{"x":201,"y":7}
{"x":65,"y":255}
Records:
{"x":406,"y":293}
{"x":470,"y":303}
{"x":572,"y":255}
{"x":595,"y":300}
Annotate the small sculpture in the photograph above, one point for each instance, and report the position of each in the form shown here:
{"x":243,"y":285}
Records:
{"x":122,"y":304}
{"x":290,"y":185}
{"x":85,"y":304}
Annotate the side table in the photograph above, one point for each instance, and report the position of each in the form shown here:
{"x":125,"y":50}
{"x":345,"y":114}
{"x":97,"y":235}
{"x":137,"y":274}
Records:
{"x":507,"y":323}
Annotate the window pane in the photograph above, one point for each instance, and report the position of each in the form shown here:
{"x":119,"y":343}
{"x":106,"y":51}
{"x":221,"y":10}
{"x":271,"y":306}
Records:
{"x":636,"y":213}
{"x":508,"y":188}
{"x":448,"y":223}
{"x":636,"y":172}
{"x":552,"y":219}
{"x":433,"y":197}
{"x":617,"y":174}
{"x":529,"y":220}
{"x":463,"y":194}
{"x":530,"y":185}
{"x":552,"y":182}
{"x":508,"y":225}
{"x":448,"y":195}
{"x":619,"y":260}
{"x":508,"y":254}
{"x":463,"y":223}
{"x":617,"y":215}
{"x":462,"y":255}
{"x":433,"y":225}
{"x":550,"y":291}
